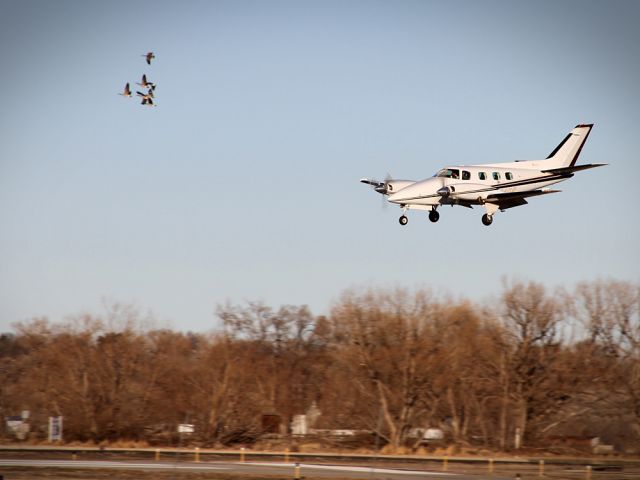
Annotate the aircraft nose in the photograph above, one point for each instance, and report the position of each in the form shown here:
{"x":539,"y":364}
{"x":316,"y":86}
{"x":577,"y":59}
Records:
{"x":396,"y":198}
{"x":403,"y":195}
{"x":417,"y":191}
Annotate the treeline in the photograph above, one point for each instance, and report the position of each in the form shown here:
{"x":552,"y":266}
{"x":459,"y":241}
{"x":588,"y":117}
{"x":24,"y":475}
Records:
{"x":530,"y":368}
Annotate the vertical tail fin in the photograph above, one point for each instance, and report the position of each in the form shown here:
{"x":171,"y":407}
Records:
{"x":566,"y":154}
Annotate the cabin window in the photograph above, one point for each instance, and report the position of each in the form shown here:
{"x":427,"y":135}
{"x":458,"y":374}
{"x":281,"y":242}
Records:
{"x":449,"y":173}
{"x":482,"y":175}
{"x":466,"y":175}
{"x":496,"y":175}
{"x":508,"y":176}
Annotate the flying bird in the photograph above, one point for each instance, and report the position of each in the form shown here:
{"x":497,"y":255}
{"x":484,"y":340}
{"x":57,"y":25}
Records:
{"x":149,"y":56}
{"x":146,"y":84}
{"x":126,"y":92}
{"x":147,"y":98}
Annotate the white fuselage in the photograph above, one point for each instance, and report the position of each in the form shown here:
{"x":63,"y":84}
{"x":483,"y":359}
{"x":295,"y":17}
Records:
{"x":495,"y":186}
{"x":473,"y":184}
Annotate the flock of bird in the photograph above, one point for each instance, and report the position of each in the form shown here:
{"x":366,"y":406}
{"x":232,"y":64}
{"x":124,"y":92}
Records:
{"x":147,"y":98}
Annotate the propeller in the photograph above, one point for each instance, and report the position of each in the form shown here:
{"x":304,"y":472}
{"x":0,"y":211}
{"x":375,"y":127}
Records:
{"x":380,"y":187}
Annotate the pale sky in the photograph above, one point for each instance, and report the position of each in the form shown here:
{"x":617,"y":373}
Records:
{"x":242,"y":184}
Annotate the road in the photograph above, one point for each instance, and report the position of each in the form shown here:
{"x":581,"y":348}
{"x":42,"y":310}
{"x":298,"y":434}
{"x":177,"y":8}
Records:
{"x":287,"y":470}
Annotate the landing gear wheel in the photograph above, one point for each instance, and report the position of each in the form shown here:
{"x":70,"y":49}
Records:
{"x":403,"y":220}
{"x":487,"y":219}
{"x":434,"y":216}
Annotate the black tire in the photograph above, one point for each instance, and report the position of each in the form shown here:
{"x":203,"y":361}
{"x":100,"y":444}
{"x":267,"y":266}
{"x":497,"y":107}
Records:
{"x":403,"y":220}
{"x":487,"y":219}
{"x":434,"y":216}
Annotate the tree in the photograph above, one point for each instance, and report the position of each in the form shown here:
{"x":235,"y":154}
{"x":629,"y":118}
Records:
{"x":384,"y":342}
{"x":531,"y":318}
{"x":610,"y":312}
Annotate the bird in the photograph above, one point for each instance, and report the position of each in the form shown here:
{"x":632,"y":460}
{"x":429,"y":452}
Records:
{"x":126,"y":92}
{"x":148,"y":57}
{"x":146,"y":83}
{"x":147,"y":98}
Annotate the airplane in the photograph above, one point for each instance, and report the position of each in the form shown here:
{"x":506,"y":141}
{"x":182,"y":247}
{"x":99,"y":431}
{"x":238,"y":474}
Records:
{"x":495,"y":186}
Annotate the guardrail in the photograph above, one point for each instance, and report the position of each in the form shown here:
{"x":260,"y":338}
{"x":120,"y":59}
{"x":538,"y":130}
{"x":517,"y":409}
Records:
{"x":243,"y":454}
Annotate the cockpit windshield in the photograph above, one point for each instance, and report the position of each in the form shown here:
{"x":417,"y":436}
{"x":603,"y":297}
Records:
{"x":449,"y":173}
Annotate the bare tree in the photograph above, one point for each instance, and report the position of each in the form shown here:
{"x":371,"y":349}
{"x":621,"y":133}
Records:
{"x":531,"y":318}
{"x":385,"y":345}
{"x":610,"y":313}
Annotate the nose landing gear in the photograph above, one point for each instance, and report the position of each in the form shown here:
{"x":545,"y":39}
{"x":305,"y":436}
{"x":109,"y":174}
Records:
{"x":403,"y":220}
{"x":487,"y":219}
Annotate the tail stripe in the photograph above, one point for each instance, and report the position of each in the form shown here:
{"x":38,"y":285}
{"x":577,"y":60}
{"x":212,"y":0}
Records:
{"x":555,"y":150}
{"x":566,"y":154}
{"x":575,"y":158}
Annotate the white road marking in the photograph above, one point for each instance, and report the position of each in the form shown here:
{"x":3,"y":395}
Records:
{"x":80,"y":464}
{"x":346,"y":468}
{"x":105,"y":464}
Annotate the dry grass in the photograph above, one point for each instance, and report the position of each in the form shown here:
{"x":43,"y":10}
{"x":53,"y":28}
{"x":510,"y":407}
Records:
{"x":24,"y":473}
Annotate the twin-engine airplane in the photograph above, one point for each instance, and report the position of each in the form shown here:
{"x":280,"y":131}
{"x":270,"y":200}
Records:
{"x":495,"y":186}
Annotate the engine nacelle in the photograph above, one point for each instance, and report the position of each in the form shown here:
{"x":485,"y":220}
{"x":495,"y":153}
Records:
{"x":443,"y":192}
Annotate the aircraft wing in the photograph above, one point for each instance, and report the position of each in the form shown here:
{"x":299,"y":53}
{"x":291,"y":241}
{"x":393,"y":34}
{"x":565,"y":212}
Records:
{"x":570,"y":170}
{"x":510,"y":200}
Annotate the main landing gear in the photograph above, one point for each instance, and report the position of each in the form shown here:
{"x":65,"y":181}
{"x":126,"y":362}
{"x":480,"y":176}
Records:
{"x":434,"y":216}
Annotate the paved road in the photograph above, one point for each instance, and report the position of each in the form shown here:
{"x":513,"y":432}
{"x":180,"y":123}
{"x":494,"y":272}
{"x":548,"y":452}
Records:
{"x":255,"y":468}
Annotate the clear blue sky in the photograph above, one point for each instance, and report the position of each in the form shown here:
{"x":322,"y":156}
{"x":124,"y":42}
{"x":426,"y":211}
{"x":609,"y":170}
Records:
{"x":243,"y":183}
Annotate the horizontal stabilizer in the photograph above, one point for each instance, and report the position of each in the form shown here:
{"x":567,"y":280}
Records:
{"x":567,"y":170}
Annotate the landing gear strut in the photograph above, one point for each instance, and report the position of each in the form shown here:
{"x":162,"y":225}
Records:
{"x":434,"y":216}
{"x":403,"y":220}
{"x":487,"y":219}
